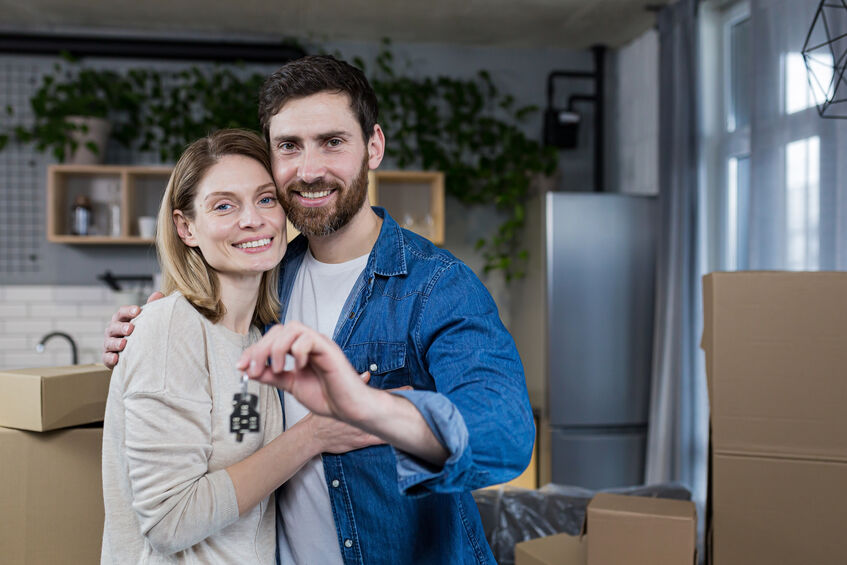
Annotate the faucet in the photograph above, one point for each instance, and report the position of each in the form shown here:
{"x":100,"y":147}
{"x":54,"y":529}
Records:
{"x":46,"y":338}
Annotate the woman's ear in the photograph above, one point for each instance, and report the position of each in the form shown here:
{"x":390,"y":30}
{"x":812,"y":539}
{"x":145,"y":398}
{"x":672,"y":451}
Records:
{"x":184,"y":229}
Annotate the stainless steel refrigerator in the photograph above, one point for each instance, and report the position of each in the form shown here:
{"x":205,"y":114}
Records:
{"x":583,"y":322}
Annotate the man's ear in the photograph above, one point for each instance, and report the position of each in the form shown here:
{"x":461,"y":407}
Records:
{"x":376,"y":147}
{"x":184,"y":229}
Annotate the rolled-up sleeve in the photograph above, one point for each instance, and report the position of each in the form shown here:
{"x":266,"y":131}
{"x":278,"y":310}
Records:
{"x":480,"y":409}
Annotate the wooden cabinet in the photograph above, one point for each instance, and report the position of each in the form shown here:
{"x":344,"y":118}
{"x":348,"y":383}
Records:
{"x":414,"y":198}
{"x":116,"y":193}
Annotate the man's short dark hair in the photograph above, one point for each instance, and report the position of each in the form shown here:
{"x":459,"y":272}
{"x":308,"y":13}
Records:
{"x":314,"y":74}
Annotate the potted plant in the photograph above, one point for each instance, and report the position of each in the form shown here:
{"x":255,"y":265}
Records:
{"x":77,"y":109}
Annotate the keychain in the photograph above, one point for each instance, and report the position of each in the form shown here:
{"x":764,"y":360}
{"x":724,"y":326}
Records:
{"x":245,"y":414}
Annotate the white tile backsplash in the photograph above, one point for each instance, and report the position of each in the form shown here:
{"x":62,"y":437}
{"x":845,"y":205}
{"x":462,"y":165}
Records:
{"x":27,"y":313}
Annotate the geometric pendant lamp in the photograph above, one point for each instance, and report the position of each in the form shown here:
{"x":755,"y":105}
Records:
{"x":825,"y":56}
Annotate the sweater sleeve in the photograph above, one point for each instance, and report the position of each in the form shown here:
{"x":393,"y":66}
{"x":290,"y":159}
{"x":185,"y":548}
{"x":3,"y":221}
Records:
{"x":168,"y":415}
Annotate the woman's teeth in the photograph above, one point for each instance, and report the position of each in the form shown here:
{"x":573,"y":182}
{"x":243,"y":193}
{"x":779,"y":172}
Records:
{"x":257,"y":243}
{"x":312,"y":195}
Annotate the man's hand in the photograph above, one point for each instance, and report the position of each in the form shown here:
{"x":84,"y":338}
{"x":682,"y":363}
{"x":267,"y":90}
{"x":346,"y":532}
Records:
{"x":119,"y":328}
{"x":322,"y":378}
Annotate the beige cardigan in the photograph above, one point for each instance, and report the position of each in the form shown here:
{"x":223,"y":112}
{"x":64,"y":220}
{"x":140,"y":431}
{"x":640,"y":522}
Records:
{"x":166,"y":445}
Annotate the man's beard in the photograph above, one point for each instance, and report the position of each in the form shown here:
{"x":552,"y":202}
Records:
{"x":323,"y":220}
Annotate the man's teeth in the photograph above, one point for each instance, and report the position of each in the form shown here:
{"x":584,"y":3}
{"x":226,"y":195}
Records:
{"x":256,"y":243}
{"x":311,"y":195}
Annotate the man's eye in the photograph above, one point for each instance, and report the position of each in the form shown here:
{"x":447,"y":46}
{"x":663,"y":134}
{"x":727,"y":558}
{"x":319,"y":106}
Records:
{"x":334,"y":142}
{"x":286,"y":146}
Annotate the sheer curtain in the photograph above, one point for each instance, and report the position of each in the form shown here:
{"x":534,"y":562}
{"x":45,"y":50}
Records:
{"x":678,"y":430}
{"x":797,"y":217}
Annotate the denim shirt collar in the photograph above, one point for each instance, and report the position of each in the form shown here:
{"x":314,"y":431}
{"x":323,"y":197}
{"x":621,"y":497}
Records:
{"x":387,"y":258}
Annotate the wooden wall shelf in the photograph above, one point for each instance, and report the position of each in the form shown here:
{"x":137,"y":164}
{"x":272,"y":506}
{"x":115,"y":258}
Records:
{"x":137,"y":189}
{"x":414,"y":198}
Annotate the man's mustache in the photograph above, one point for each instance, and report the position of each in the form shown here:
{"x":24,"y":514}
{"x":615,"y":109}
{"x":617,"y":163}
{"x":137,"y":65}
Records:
{"x":315,"y":186}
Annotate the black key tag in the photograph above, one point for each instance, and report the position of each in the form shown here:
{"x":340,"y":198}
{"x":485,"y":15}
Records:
{"x":245,"y":413}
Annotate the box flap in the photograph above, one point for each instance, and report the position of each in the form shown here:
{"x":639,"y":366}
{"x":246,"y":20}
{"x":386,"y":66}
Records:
{"x":777,"y":363}
{"x":640,"y":531}
{"x":559,"y":549}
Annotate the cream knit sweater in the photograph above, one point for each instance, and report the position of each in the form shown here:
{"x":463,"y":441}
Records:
{"x":166,"y":445}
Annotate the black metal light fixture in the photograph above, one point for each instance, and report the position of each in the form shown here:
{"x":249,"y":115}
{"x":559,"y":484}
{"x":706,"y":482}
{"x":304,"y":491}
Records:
{"x":825,"y":56}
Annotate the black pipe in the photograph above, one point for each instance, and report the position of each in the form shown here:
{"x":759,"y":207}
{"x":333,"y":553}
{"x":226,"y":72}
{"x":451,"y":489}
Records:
{"x":599,"y":118}
{"x":148,"y":48}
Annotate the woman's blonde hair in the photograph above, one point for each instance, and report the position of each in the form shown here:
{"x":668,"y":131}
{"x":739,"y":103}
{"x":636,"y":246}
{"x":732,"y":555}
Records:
{"x":183,"y":267}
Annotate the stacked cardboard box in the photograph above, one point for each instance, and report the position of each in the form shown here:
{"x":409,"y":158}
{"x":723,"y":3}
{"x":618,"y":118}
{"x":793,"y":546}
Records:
{"x":51,"y":496}
{"x":622,"y":529}
{"x":776,"y":358}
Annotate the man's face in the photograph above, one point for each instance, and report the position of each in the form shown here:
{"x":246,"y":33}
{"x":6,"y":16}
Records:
{"x":320,"y":162}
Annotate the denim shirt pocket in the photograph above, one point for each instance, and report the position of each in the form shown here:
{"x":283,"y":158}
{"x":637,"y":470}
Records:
{"x":385,"y":360}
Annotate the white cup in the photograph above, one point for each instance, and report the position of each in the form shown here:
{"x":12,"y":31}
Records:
{"x":147,"y":226}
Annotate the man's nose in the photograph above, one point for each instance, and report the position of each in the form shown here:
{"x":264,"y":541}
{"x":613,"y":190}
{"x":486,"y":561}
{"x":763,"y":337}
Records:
{"x":312,"y":166}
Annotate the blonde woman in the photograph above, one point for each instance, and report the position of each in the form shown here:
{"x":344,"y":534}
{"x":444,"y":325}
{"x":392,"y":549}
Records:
{"x":177,"y":486}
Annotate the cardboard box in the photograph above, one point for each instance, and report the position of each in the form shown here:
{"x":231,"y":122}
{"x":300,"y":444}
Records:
{"x":786,"y":511}
{"x":559,"y":549}
{"x":51,"y":496}
{"x":49,"y":398}
{"x":776,"y":357}
{"x":776,"y":360}
{"x":640,"y":531}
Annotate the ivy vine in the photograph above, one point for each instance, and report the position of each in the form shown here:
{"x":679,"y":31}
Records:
{"x":466,"y":128}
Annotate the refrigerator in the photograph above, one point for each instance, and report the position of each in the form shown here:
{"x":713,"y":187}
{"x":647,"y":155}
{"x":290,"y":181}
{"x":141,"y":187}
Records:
{"x":583,"y":321}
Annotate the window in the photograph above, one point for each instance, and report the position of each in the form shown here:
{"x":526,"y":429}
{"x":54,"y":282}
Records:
{"x":802,"y":204}
{"x":802,"y":91}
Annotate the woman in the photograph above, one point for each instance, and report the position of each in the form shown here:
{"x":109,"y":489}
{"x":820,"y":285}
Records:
{"x":177,"y":486}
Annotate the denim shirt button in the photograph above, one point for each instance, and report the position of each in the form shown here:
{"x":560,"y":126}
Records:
{"x":373,"y":367}
{"x":348,"y":543}
{"x":335,"y":483}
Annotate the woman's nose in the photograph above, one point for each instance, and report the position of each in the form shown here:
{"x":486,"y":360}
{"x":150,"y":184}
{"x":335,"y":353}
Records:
{"x":251,"y":217}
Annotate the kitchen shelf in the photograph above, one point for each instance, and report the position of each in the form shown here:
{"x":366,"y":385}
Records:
{"x":414,"y":198}
{"x":139,"y":190}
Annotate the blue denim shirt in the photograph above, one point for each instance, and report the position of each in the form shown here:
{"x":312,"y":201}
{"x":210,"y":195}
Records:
{"x":418,"y":316}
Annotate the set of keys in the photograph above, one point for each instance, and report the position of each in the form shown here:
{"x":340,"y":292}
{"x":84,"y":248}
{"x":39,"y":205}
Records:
{"x":245,"y":413}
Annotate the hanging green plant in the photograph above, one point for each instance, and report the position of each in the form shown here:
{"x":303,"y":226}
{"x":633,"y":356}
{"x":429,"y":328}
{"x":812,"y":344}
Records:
{"x":186,"y":105}
{"x":469,"y":130}
{"x":70,"y":93}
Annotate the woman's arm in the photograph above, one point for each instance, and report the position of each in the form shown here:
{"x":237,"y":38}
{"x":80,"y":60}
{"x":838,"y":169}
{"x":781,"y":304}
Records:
{"x":265,"y":470}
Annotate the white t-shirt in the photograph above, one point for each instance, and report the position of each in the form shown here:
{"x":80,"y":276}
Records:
{"x":319,"y":293}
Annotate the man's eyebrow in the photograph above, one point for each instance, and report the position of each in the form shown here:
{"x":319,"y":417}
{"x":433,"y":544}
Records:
{"x":325,"y":135}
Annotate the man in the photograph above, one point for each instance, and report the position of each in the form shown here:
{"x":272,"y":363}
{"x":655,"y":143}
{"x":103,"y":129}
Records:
{"x":398,"y":307}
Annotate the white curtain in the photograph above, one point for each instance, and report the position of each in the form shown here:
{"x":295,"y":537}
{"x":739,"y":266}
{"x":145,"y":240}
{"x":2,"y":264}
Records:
{"x":677,"y":437}
{"x":797,"y":216}
{"x":678,"y":430}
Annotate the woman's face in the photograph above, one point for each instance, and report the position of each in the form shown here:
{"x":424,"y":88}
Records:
{"x":238,"y":222}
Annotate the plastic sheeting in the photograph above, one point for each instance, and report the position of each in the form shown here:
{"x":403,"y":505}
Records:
{"x":512,"y":515}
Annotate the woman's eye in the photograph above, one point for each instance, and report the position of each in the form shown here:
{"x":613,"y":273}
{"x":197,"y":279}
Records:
{"x":223,"y":207}
{"x":267,"y":200}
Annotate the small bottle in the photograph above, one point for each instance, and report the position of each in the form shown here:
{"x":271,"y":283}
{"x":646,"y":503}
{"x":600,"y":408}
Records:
{"x":81,"y":215}
{"x":114,"y":211}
